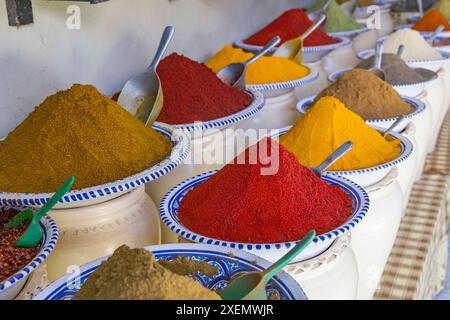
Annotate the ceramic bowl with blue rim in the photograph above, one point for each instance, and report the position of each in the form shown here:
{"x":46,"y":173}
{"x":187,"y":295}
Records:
{"x":270,"y":251}
{"x":425,"y":34}
{"x":278,"y":88}
{"x":369,"y":176}
{"x":310,"y":54}
{"x":112,"y":190}
{"x":10,"y":288}
{"x":222,"y":123}
{"x":418,"y":106}
{"x":230,"y":262}
{"x":350,"y":33}
{"x":432,"y":64}
{"x":410,"y":90}
{"x":445,"y":48}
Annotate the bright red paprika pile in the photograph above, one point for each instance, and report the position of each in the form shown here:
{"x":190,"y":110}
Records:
{"x":192,"y":92}
{"x":291,"y":24}
{"x":240,"y":204}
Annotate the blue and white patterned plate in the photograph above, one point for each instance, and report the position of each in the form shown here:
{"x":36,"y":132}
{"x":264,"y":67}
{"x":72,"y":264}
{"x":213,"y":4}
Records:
{"x":418,"y":106}
{"x":256,"y":106}
{"x":310,"y":54}
{"x":270,"y":251}
{"x":230,"y":263}
{"x":11,"y":287}
{"x":113,"y":189}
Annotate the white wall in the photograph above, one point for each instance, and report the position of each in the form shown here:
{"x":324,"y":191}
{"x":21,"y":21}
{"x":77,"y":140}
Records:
{"x":117,"y":39}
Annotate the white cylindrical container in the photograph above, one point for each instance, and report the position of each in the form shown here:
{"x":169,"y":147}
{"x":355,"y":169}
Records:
{"x":436,"y":97}
{"x":315,"y":87}
{"x":373,"y":239}
{"x":91,"y":232}
{"x":332,"y":275}
{"x":446,"y":76}
{"x":366,"y":40}
{"x":278,"y":112}
{"x":342,"y":58}
{"x":423,"y":124}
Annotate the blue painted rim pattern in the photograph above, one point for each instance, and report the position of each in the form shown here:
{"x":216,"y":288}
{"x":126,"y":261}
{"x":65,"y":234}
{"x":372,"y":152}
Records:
{"x":283,"y":280}
{"x":169,"y":214}
{"x":418,"y":105}
{"x":256,"y":106}
{"x":311,"y":77}
{"x":179,"y":152}
{"x":337,"y":74}
{"x":342,"y":42}
{"x":362,"y":55}
{"x":351,"y":33}
{"x":50,"y":237}
{"x":406,"y":151}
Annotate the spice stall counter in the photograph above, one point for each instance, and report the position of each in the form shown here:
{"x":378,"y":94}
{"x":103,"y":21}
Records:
{"x":417,"y":265}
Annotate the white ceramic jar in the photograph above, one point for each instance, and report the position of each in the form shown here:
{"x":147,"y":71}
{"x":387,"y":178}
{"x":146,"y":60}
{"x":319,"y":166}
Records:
{"x":332,"y":275}
{"x":342,"y":58}
{"x":92,"y":232}
{"x":315,"y":87}
{"x":374,"y":238}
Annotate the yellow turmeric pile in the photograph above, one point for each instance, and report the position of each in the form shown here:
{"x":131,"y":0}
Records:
{"x":326,"y":126}
{"x":78,"y":132}
{"x":263,"y":71}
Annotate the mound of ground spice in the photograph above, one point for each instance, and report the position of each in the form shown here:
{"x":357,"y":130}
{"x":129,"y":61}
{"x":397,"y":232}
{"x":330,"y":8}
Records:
{"x":241,"y":204}
{"x":338,"y":20}
{"x":289,"y":25}
{"x":431,"y":21}
{"x":397,"y":71}
{"x":326,"y":126}
{"x":189,"y":267}
{"x":367,"y":95}
{"x":82,"y":133}
{"x":192,"y":92}
{"x":444,"y":8}
{"x":12,"y":259}
{"x":134,"y":274}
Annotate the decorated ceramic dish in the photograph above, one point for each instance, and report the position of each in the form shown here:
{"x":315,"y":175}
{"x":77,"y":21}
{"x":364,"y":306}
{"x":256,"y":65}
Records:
{"x":350,"y":33}
{"x":11,"y":287}
{"x":231,"y":262}
{"x":310,"y":54}
{"x":105,"y":192}
{"x":221,"y":123}
{"x":270,"y":251}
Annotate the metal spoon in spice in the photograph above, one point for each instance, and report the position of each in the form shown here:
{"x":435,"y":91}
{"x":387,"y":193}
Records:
{"x":33,"y":234}
{"x":234,"y":74}
{"x":292,"y":49}
{"x":393,"y":126}
{"x":252,"y":285}
{"x":335,"y":156}
{"x":142,"y":95}
{"x":400,"y":50}
{"x":376,"y":69}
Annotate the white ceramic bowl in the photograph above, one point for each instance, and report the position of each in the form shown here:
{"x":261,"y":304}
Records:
{"x":432,"y":64}
{"x":108,"y":191}
{"x":221,"y":123}
{"x":442,"y":48}
{"x":310,"y":54}
{"x":279,"y":88}
{"x":369,"y":176}
{"x":11,"y":287}
{"x":270,"y":251}
{"x":410,"y":90}
{"x":418,"y":105}
{"x":350,"y":34}
{"x":230,"y":263}
{"x":425,"y":34}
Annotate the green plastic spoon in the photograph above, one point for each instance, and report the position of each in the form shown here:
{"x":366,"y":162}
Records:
{"x":33,"y":234}
{"x":252,"y":285}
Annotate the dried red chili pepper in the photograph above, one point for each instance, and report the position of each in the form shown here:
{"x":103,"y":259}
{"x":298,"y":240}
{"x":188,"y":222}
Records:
{"x":239,"y":204}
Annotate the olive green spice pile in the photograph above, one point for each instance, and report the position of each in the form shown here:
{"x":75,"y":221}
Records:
{"x":134,"y":274}
{"x":188,"y":267}
{"x":82,"y":133}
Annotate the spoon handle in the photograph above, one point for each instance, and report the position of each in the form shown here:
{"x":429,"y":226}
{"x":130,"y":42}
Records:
{"x":394,"y":125}
{"x":378,"y":55}
{"x":280,"y":264}
{"x":56,"y":197}
{"x":163,"y":44}
{"x":317,"y":22}
{"x":436,"y":33}
{"x":335,"y":156}
{"x":400,"y":50}
{"x":269,"y":46}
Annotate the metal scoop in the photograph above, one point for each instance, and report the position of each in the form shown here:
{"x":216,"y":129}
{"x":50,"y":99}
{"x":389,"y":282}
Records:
{"x":252,"y":285}
{"x":292,"y":49}
{"x":393,"y":126}
{"x":142,"y":95}
{"x":234,"y":74}
{"x":435,"y":34}
{"x":33,"y":234}
{"x":376,"y":69}
{"x":400,"y":50}
{"x":335,"y":156}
